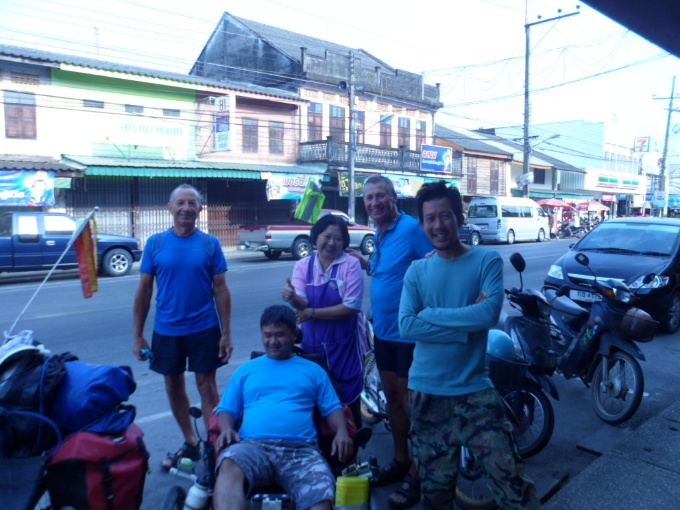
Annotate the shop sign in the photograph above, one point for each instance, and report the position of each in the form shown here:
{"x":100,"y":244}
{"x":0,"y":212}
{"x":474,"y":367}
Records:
{"x":287,"y":186}
{"x":32,"y":188}
{"x":434,"y":158}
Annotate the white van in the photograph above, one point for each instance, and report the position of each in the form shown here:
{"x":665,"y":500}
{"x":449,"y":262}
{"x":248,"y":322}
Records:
{"x":509,"y":219}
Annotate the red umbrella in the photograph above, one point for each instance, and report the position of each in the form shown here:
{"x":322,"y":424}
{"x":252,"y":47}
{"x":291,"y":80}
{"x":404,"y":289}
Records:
{"x":554,"y":202}
{"x":590,"y":205}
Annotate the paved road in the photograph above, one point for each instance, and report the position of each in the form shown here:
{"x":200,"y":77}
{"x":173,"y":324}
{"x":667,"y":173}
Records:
{"x":98,"y":330}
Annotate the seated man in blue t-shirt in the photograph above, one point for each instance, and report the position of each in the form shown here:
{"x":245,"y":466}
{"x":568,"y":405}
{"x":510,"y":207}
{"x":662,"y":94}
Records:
{"x":275,"y":396}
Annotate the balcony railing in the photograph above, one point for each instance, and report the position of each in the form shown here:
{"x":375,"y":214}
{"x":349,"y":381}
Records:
{"x":336,"y":154}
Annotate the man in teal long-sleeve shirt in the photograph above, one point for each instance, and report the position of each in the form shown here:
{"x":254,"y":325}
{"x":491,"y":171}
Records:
{"x":448,"y":303}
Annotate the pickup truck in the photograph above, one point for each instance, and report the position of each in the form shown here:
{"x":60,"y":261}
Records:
{"x":273,"y":240}
{"x":33,"y":241}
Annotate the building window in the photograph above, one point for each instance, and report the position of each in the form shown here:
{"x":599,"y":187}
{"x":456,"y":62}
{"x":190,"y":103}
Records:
{"x":539,"y":175}
{"x":337,"y":123}
{"x":404,"y":133}
{"x":250,"y":135}
{"x":386,"y":130}
{"x":360,"y":125}
{"x":20,"y":115}
{"x":89,"y":103}
{"x":133,"y":108}
{"x":471,"y":177}
{"x":275,"y":137}
{"x":170,"y":112}
{"x":314,"y":121}
{"x":421,"y":133}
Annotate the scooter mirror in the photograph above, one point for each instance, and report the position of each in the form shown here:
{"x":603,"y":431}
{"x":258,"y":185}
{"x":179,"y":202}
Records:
{"x":582,"y":259}
{"x":518,"y":262}
{"x":648,"y":278}
{"x":562,"y":291}
{"x":195,"y":412}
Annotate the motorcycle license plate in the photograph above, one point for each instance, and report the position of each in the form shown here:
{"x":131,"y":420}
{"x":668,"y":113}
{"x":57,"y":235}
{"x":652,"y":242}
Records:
{"x":582,"y":295}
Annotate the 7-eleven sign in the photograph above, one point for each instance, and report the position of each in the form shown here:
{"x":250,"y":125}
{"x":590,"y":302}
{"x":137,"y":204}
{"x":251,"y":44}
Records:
{"x":641,"y":144}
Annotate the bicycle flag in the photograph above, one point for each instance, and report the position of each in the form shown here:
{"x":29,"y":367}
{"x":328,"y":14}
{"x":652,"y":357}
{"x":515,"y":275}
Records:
{"x":312,"y":201}
{"x":84,"y":239}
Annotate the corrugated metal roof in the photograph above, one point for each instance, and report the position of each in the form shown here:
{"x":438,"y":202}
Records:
{"x":23,"y":162}
{"x":98,"y":165}
{"x":60,"y":58}
{"x":536,"y":158}
{"x":467,"y":142}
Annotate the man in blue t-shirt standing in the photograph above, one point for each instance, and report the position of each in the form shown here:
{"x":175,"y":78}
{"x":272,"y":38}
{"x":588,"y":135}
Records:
{"x":275,"y":396}
{"x":193,"y":313}
{"x":399,"y":241}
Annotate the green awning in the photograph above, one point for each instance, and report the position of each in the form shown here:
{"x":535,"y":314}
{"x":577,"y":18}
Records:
{"x":145,"y":171}
{"x":564,"y":195}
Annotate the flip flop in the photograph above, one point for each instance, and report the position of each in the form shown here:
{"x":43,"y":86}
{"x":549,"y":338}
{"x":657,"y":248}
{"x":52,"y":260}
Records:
{"x":188,"y":451}
{"x":393,"y":472}
{"x":410,"y":490}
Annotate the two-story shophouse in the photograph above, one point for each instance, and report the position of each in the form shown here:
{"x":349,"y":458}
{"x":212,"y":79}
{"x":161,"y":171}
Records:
{"x":393,"y":109}
{"x":491,"y":165}
{"x":614,"y":173}
{"x":122,"y":137}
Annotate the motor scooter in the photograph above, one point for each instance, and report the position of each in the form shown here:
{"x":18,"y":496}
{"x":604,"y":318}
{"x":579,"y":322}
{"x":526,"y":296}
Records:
{"x":600,"y":344}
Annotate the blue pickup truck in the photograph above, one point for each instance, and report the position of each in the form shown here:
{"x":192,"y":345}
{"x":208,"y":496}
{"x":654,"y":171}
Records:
{"x":33,"y":241}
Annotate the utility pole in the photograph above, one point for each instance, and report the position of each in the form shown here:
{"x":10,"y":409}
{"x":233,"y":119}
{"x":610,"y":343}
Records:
{"x":352,"y":142}
{"x":527,"y":146}
{"x":664,"y":155}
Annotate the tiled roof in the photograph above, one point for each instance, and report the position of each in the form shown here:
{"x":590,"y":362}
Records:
{"x":40,"y":56}
{"x":290,"y":43}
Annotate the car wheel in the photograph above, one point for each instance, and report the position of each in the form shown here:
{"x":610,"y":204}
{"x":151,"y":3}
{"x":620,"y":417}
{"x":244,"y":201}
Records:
{"x":475,"y":239}
{"x":541,"y":236}
{"x":672,"y":321}
{"x":367,"y":245}
{"x":117,"y":262}
{"x":511,"y":237}
{"x":301,"y":248}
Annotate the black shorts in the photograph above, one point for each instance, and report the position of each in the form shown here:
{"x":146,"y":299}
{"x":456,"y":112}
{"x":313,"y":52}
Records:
{"x":393,"y":356}
{"x":201,"y":349}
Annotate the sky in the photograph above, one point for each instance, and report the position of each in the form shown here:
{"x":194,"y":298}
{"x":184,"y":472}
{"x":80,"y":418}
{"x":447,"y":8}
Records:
{"x":582,"y":67}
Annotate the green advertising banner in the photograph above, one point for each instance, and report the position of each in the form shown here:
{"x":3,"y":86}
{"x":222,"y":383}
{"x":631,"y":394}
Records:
{"x":406,"y":186}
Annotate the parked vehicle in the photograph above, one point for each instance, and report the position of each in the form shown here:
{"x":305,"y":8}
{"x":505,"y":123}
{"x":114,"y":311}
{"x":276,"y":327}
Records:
{"x":600,"y":344}
{"x":34,"y":241}
{"x":273,"y":240}
{"x":626,"y":250}
{"x":470,"y":234}
{"x":509,"y":219}
{"x":577,"y":232}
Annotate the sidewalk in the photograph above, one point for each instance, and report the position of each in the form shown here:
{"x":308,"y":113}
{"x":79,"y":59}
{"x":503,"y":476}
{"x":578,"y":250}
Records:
{"x":638,"y":470}
{"x":642,"y":471}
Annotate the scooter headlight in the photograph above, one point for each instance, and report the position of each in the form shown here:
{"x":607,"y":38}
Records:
{"x":656,"y":283}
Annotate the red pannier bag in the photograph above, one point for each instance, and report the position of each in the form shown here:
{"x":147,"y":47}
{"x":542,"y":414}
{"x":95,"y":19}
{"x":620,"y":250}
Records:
{"x":99,"y":471}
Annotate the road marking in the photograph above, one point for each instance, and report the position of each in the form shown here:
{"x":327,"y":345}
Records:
{"x":153,"y":417}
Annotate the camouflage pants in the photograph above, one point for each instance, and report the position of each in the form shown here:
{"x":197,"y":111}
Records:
{"x":440,"y":425}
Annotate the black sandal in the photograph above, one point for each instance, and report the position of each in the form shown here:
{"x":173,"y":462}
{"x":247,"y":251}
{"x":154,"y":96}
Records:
{"x":393,"y":472}
{"x":185,"y":451}
{"x":409,"y":490}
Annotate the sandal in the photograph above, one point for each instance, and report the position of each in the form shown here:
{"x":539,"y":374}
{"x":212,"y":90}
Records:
{"x":409,"y":490}
{"x":185,"y":451}
{"x":393,"y":472}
